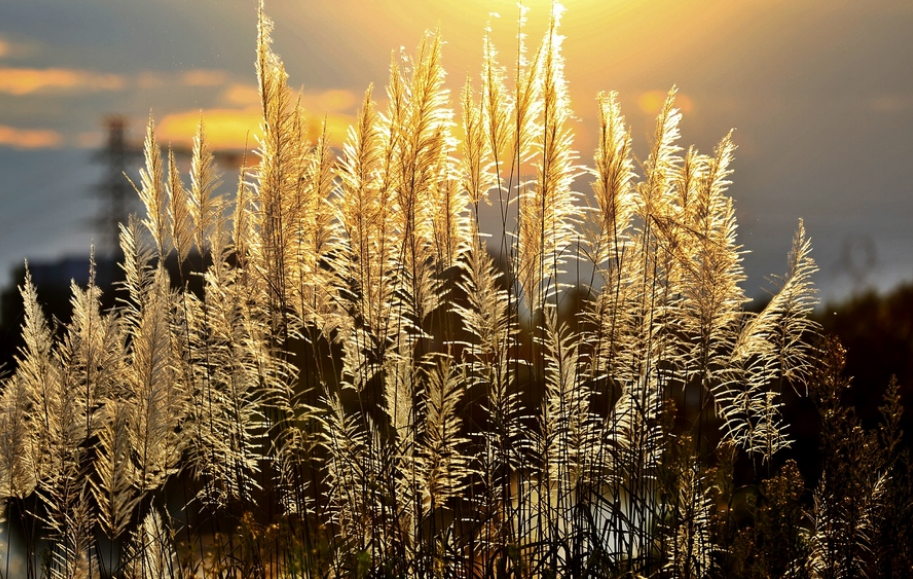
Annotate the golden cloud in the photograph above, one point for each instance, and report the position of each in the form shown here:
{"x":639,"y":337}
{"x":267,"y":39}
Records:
{"x":29,"y":138}
{"x":23,"y":81}
{"x":891,"y":103}
{"x":225,"y":128}
{"x":315,"y":102}
{"x":148,"y":80}
{"x":203,"y":77}
{"x":239,"y":94}
{"x":90,"y":139}
{"x":333,"y":100}
{"x":651,"y":102}
{"x":16,"y":49}
{"x":337,"y":126}
{"x":233,"y":128}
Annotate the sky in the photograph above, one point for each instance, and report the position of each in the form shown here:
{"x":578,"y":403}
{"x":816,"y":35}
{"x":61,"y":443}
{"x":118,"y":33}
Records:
{"x":819,"y":92}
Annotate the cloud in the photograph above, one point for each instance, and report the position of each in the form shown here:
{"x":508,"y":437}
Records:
{"x":203,"y":77}
{"x":651,"y":102}
{"x":241,"y":94}
{"x":333,"y":100}
{"x":24,"y":81}
{"x":315,"y":102}
{"x":891,"y":103}
{"x":90,"y":139}
{"x":149,"y":79}
{"x":29,"y":138}
{"x":228,"y":128}
{"x":14,"y":49}
{"x":224,"y":128}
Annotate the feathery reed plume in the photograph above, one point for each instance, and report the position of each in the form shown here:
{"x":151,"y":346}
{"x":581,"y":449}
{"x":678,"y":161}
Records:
{"x":663,"y":161}
{"x":39,"y":374}
{"x":155,"y":394}
{"x":349,"y":476}
{"x":655,"y":196}
{"x":692,"y":546}
{"x":566,"y":425}
{"x":527,"y":103}
{"x":794,"y":302}
{"x":224,"y":421}
{"x":477,"y":167}
{"x":152,"y":191}
{"x":399,"y":387}
{"x":418,"y":122}
{"x":442,"y":466}
{"x":18,"y":476}
{"x":76,"y":559}
{"x":709,"y":269}
{"x":498,"y":108}
{"x":488,"y":320}
{"x":94,"y":347}
{"x":548,"y":213}
{"x":771,"y":347}
{"x":242,"y":233}
{"x":402,"y":382}
{"x":152,"y":552}
{"x":365,"y":266}
{"x":609,"y":311}
{"x":496,"y":105}
{"x":114,"y":487}
{"x":451,"y":224}
{"x":178,"y":214}
{"x":613,"y":186}
{"x":64,"y":489}
{"x":202,"y":203}
{"x":137,"y":268}
{"x":274,"y":201}
{"x":654,"y":205}
{"x":311,"y":280}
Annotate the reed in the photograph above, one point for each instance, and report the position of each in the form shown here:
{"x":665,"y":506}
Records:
{"x":361,"y":389}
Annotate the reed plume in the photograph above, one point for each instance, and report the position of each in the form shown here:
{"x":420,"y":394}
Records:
{"x":547,"y":212}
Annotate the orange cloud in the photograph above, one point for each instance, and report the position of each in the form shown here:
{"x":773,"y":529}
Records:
{"x":29,"y":138}
{"x":337,"y":126}
{"x":89,"y":139}
{"x":651,"y":102}
{"x":225,"y":128}
{"x":333,"y":100}
{"x":232,"y":128}
{"x":149,"y":80}
{"x":891,"y":103}
{"x":202,"y":77}
{"x":23,"y":81}
{"x":17,"y":49}
{"x":315,"y":102}
{"x":241,"y":94}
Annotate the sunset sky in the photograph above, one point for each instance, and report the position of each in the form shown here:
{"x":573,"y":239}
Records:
{"x":820,"y":93}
